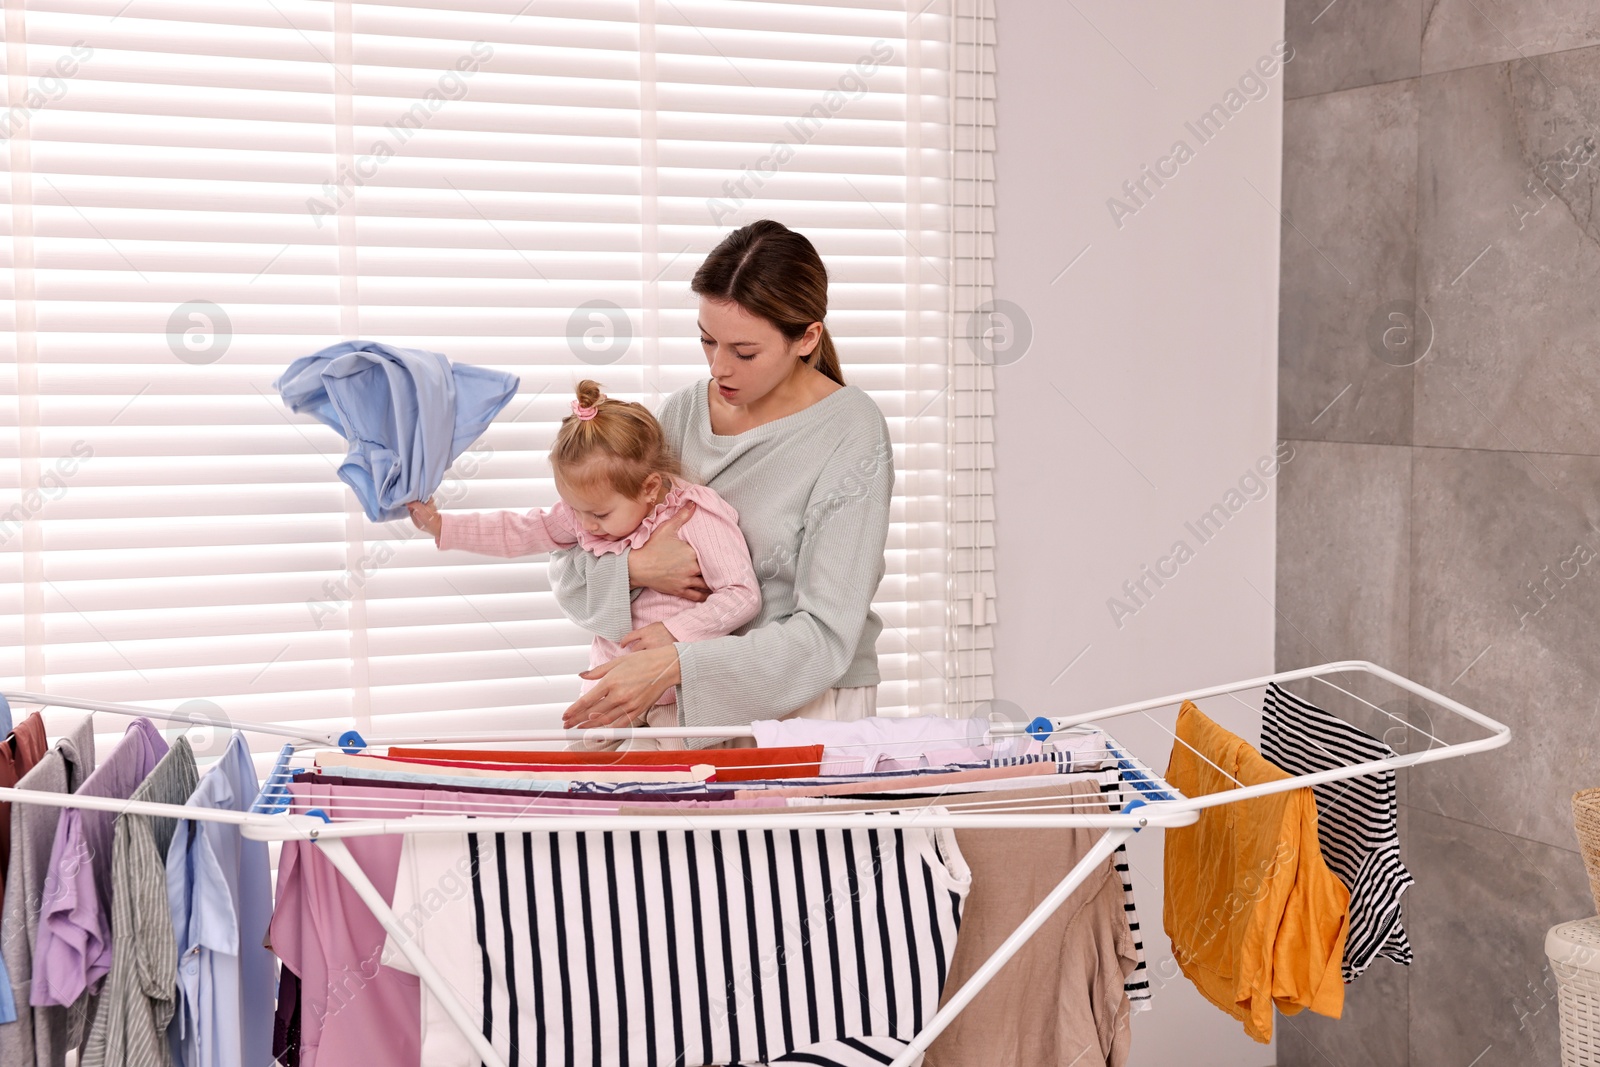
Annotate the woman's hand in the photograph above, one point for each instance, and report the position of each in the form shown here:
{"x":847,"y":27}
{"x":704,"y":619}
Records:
{"x":629,"y":687}
{"x":425,"y":517}
{"x":667,"y":563}
{"x":656,"y":635}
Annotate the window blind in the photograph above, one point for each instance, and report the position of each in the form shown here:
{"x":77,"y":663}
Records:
{"x":201,"y":192}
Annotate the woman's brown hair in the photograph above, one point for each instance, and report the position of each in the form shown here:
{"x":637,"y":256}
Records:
{"x":772,"y":271}
{"x":623,"y":438}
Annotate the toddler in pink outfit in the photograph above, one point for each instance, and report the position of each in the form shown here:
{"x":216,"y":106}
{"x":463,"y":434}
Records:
{"x":619,"y":480}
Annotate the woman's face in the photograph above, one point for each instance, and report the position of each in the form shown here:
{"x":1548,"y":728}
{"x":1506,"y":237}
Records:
{"x":749,"y":357}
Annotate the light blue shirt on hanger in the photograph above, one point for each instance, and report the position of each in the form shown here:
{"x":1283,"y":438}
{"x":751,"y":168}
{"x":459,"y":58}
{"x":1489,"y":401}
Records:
{"x":220,"y":892}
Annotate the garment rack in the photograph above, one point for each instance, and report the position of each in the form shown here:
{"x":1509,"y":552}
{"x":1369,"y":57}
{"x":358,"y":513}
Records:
{"x":1156,"y":804}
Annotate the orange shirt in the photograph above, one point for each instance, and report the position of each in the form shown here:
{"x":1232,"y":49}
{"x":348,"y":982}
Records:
{"x":1255,"y":916}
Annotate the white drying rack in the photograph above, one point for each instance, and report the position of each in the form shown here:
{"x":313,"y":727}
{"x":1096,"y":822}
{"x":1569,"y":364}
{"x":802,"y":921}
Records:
{"x":1154,"y":803}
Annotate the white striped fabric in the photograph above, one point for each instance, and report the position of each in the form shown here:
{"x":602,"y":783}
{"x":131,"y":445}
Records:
{"x":1356,"y":821}
{"x":671,"y":948}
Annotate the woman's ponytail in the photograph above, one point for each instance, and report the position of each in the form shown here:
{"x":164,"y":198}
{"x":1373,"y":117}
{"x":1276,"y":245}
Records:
{"x":825,"y":357}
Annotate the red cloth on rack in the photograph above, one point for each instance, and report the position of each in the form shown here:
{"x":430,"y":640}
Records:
{"x":732,"y":764}
{"x":18,"y":753}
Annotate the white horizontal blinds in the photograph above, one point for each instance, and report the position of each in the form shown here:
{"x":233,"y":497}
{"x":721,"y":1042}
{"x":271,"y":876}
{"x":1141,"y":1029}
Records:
{"x":25,"y":496}
{"x":868,"y":182}
{"x":218,"y":189}
{"x":984,"y":336}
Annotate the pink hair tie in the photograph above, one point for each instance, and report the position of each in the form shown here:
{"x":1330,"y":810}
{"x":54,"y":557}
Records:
{"x":583,"y":413}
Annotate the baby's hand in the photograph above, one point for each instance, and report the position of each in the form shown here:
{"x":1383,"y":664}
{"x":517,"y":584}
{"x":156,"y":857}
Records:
{"x":425,"y":517}
{"x":656,"y":635}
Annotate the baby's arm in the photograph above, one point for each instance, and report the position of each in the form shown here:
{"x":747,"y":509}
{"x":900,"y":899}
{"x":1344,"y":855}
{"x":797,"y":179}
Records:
{"x":499,"y":533}
{"x":725,"y":565}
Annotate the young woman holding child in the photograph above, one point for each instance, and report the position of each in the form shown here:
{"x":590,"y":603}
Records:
{"x":806,"y":462}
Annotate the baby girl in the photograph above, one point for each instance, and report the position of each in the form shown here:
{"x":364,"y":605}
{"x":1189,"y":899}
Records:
{"x":618,"y":481}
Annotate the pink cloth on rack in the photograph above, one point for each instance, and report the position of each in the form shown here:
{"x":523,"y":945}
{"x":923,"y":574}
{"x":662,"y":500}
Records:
{"x":354,"y":1009}
{"x":713,"y":532}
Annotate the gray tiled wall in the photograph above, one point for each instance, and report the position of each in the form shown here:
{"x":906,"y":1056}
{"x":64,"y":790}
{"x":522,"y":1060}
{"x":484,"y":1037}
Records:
{"x":1442,"y":516}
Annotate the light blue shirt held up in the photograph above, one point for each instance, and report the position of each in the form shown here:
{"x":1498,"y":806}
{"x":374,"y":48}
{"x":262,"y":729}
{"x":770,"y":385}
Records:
{"x":220,"y":892}
{"x":406,"y":412}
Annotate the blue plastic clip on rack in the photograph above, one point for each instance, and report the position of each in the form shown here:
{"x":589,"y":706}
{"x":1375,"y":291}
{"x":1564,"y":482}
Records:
{"x":274,"y":796}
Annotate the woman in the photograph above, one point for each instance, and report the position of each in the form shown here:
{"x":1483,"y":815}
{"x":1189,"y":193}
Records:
{"x":806,"y":461}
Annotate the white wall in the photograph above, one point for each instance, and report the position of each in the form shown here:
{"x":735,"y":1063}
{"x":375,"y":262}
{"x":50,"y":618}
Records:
{"x":1163,"y":340}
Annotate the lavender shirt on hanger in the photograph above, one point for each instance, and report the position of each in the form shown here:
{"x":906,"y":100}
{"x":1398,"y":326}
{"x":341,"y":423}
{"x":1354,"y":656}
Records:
{"x":73,"y":950}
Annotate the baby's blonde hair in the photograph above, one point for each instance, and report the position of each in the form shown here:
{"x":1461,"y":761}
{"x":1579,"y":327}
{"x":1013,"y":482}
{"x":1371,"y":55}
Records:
{"x":620,"y":447}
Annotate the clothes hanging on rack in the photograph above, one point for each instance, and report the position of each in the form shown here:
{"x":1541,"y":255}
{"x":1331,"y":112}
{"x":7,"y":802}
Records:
{"x":996,"y":803}
{"x":353,"y":1007}
{"x":1064,"y":998}
{"x":72,"y":952}
{"x":1357,"y":821}
{"x":340,"y":1010}
{"x":1084,"y":1013}
{"x":219,"y":891}
{"x":37,"y":1037}
{"x":1064,"y":1002}
{"x":1076,"y":753}
{"x":708,"y":947}
{"x":136,"y":1005}
{"x":22,"y":748}
{"x":1255,"y":916}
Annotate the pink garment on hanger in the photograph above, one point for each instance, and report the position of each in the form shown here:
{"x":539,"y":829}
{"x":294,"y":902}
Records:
{"x":354,"y":1009}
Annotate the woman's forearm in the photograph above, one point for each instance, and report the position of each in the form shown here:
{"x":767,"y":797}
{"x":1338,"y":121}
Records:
{"x":593,"y":591}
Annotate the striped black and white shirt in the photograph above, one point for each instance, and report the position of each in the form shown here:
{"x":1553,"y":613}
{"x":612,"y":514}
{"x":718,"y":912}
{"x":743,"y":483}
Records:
{"x":678,"y":947}
{"x":1137,"y":984}
{"x":1357,"y":823}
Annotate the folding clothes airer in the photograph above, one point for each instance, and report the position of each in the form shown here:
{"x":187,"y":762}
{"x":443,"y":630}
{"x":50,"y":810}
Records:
{"x":1152,"y":802}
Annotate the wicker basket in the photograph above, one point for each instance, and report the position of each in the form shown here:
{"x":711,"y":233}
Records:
{"x":1586,"y":818}
{"x":1574,"y":952}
